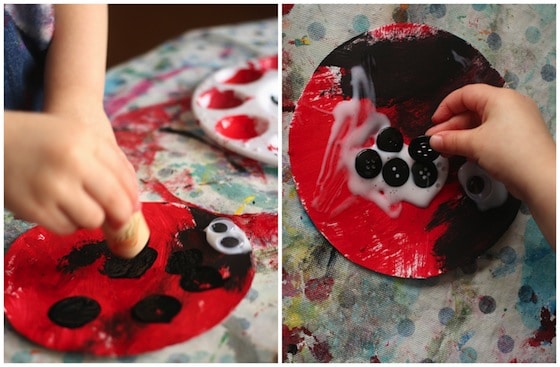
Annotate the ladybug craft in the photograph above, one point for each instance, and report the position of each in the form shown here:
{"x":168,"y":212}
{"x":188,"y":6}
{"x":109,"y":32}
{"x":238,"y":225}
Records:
{"x":365,"y":172}
{"x":70,"y":293}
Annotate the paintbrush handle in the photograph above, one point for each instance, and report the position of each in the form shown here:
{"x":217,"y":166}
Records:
{"x":130,"y":239}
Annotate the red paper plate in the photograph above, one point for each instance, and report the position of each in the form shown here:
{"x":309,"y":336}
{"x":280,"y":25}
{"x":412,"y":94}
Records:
{"x":69,"y":293}
{"x":392,"y":76}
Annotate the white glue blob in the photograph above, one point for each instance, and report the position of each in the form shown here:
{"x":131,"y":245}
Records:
{"x":347,"y":138}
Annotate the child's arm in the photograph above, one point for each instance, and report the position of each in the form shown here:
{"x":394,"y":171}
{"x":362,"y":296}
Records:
{"x":63,"y":167}
{"x":503,"y":131}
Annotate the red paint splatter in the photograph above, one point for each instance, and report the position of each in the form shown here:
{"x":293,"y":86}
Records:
{"x":374,"y":359}
{"x":286,"y":8}
{"x":288,"y":284}
{"x":319,"y":289}
{"x":244,"y":76}
{"x":321,"y":352}
{"x":546,"y":332}
{"x":294,"y":339}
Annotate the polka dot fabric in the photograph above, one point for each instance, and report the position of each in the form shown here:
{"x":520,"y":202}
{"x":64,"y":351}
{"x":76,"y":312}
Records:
{"x":497,"y":309}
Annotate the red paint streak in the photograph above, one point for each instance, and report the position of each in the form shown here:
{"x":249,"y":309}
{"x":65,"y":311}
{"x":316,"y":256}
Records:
{"x":546,"y":332}
{"x":296,"y":336}
{"x":241,"y":127}
{"x":289,"y":284}
{"x":286,"y":8}
{"x":319,"y":289}
{"x":217,"y":99}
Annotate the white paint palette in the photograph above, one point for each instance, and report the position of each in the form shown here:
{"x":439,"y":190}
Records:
{"x":238,"y":108}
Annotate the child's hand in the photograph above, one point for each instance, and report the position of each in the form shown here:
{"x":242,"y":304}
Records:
{"x":504,"y":132}
{"x":66,"y":174}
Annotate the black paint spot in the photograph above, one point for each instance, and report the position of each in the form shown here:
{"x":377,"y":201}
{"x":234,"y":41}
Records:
{"x":292,"y":348}
{"x":116,"y":267}
{"x":158,"y":308}
{"x":202,"y":278}
{"x":395,"y":172}
{"x":526,"y":294}
{"x":424,"y":174}
{"x":368,"y":163}
{"x":487,"y":304}
{"x":182,"y":262}
{"x":390,"y":139}
{"x":74,"y":312}
{"x":421,"y":151}
{"x":82,"y":256}
{"x":274,"y":100}
{"x":469,"y":231}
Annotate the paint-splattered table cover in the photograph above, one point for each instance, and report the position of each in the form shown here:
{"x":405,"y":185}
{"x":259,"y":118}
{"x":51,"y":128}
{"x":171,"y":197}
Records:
{"x":180,"y":164}
{"x":502,"y":307}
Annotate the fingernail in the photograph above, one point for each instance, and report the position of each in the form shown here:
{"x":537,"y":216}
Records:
{"x":436,"y":141}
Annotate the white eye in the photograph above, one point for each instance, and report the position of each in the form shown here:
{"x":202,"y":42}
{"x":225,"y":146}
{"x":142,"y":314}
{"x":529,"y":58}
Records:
{"x":485,"y":191}
{"x":226,"y":237}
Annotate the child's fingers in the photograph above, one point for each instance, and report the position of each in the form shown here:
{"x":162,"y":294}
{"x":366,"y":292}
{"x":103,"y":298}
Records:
{"x":83,"y":210}
{"x":103,"y":185}
{"x":463,"y":121}
{"x":454,"y":142}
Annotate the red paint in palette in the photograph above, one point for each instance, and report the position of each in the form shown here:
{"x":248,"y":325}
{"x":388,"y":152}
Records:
{"x":220,"y":99}
{"x":412,"y":68}
{"x":241,"y":127}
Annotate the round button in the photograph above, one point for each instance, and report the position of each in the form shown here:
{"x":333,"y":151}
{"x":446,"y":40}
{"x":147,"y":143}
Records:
{"x":424,"y":174}
{"x":421,"y":151}
{"x":368,"y":163}
{"x":395,"y":172}
{"x":390,"y":139}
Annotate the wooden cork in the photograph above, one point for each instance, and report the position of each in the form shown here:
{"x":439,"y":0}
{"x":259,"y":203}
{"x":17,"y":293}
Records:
{"x":130,"y":239}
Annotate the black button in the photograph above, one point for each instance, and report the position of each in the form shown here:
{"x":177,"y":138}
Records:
{"x":390,"y":140}
{"x":395,"y":172}
{"x":368,"y":163}
{"x":421,"y":151}
{"x":424,"y":174}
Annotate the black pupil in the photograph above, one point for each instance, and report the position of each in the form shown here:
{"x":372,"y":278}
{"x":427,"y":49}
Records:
{"x":219,"y":227}
{"x":475,"y":185}
{"x":230,"y":242}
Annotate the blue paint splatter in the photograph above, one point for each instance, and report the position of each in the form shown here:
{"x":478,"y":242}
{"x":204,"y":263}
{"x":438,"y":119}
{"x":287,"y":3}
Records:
{"x":505,"y":344}
{"x":468,"y":355}
{"x":508,"y":257}
{"x":464,"y":339}
{"x":479,"y":7}
{"x":21,"y":357}
{"x":316,"y":31}
{"x":178,"y":358}
{"x":548,"y":73}
{"x":438,"y":10}
{"x":537,"y":274}
{"x":445,"y":315}
{"x":406,"y":327}
{"x":360,"y":23}
{"x":532,"y":34}
{"x":494,"y":41}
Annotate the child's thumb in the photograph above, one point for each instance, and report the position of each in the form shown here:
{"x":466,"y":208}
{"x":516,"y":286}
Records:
{"x":453,"y":142}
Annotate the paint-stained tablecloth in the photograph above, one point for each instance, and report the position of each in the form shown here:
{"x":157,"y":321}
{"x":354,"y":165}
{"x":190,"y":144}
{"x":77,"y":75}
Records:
{"x":180,"y":163}
{"x":500,"y":309}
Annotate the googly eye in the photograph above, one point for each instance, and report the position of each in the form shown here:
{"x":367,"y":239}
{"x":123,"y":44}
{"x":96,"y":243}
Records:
{"x":226,"y":237}
{"x":480,"y":187}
